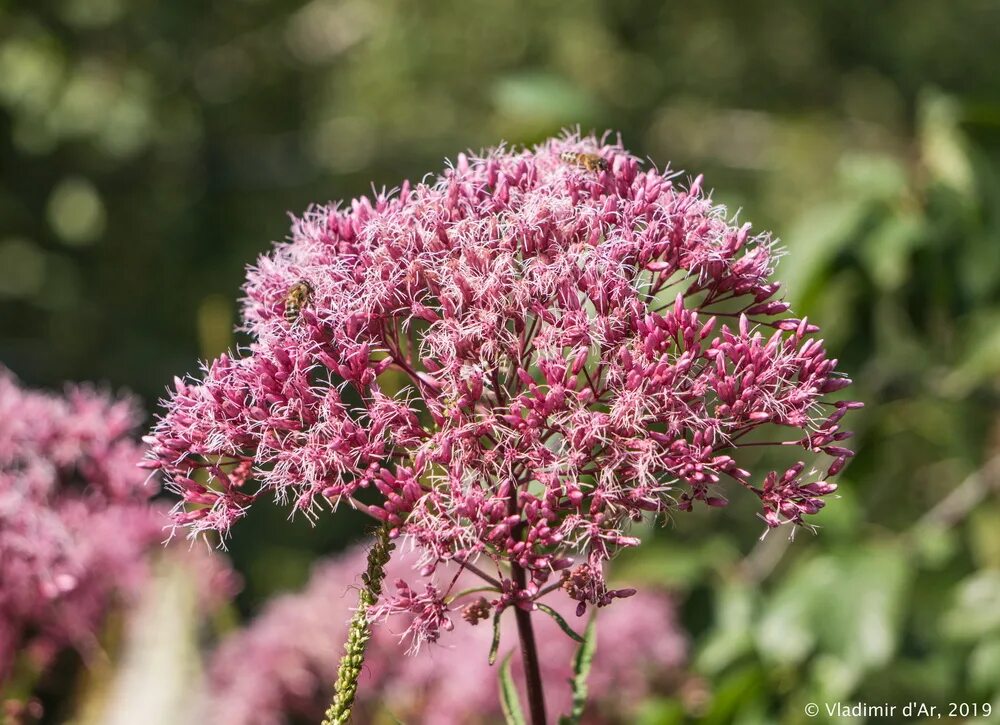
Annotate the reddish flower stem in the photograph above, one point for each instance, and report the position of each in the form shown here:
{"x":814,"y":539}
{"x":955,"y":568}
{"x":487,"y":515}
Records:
{"x":526,"y":633}
{"x":480,"y":573}
{"x":529,"y":655}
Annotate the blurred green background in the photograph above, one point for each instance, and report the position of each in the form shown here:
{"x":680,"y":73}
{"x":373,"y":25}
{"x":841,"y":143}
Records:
{"x":150,"y":150}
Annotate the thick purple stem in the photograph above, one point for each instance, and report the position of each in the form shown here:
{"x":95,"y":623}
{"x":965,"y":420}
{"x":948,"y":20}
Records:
{"x":529,"y":655}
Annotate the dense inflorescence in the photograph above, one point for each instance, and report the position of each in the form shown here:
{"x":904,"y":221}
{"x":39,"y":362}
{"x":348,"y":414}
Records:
{"x":296,"y":641}
{"x":509,"y":365}
{"x":75,"y":519}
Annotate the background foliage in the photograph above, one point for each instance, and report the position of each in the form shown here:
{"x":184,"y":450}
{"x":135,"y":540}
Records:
{"x":148,"y":151}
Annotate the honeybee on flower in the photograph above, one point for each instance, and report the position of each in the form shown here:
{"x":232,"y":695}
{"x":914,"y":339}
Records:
{"x":297,"y":297}
{"x":590,"y":162}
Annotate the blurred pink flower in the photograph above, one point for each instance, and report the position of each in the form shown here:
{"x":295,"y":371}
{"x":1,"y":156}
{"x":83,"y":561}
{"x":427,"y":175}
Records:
{"x":296,"y":642}
{"x":580,"y":343}
{"x":76,"y":523}
{"x":74,"y":516}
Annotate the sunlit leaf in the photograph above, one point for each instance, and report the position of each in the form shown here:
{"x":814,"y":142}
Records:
{"x":944,"y":147}
{"x":581,"y":671}
{"x":849,"y":603}
{"x":816,"y":239}
{"x":736,"y":692}
{"x":984,"y":667}
{"x":887,"y":249}
{"x":984,"y":535}
{"x":975,"y":611}
{"x":660,"y":711}
{"x":510,"y":702}
{"x":730,"y":638}
{"x":980,"y":360}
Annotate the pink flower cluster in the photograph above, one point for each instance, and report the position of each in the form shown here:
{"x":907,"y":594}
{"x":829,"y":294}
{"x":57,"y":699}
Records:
{"x":511,"y":364}
{"x":75,"y":519}
{"x":295,"y":645}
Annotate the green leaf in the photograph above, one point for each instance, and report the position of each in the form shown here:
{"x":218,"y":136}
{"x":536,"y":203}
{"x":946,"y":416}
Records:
{"x":509,"y":700}
{"x":496,"y":637}
{"x":730,"y":638}
{"x":563,"y":624}
{"x":984,"y":666}
{"x":737,"y":691}
{"x":820,"y":235}
{"x":847,"y":606}
{"x":944,"y":147}
{"x":975,"y":613}
{"x":984,"y":535}
{"x":978,"y":362}
{"x":660,"y":711}
{"x":581,"y":670}
{"x":887,"y":250}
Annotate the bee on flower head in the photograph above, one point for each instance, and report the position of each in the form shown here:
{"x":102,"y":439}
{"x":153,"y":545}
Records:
{"x":590,"y":162}
{"x":297,"y":297}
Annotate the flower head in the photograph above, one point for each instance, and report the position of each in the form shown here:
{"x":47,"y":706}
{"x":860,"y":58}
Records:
{"x":428,"y":612}
{"x":511,"y":363}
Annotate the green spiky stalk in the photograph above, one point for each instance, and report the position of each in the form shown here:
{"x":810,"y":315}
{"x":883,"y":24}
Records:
{"x":360,"y":631}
